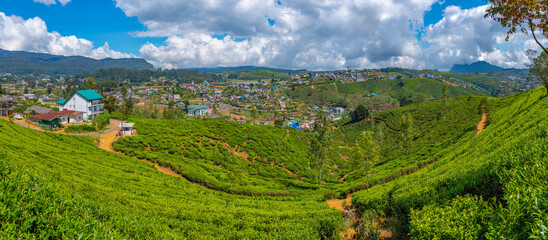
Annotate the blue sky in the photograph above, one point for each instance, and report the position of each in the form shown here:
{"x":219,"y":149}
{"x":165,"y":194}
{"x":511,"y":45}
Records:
{"x":305,"y":34}
{"x":98,"y":21}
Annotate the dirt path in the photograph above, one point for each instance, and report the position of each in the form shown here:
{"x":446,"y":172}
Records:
{"x":483,"y":123}
{"x":349,"y":216}
{"x":287,"y":134}
{"x":106,"y":140}
{"x":450,"y":83}
{"x":339,"y":203}
{"x":336,"y":88}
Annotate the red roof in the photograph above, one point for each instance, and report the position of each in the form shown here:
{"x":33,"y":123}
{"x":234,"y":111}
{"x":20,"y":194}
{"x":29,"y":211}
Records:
{"x":52,"y":115}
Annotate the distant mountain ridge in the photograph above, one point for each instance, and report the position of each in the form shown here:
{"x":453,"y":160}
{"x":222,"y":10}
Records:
{"x":20,"y":62}
{"x":243,"y":68}
{"x":485,"y":67}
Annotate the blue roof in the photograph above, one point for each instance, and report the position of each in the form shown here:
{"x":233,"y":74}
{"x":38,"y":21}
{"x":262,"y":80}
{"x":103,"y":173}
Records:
{"x":61,"y":101}
{"x":90,"y":94}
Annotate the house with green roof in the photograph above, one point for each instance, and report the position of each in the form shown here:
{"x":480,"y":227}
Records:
{"x":198,"y":110}
{"x":86,"y":101}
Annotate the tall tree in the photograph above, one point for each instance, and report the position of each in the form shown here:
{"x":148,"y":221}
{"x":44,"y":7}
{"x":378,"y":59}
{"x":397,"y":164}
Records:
{"x":366,"y":154}
{"x":407,"y":128}
{"x":254,"y":113}
{"x":359,"y":114}
{"x":127,"y":105}
{"x":539,"y":66}
{"x":444,"y":92}
{"x":90,"y":83}
{"x":319,"y":142}
{"x":525,"y":15}
{"x":529,"y":16}
{"x":110,"y":104}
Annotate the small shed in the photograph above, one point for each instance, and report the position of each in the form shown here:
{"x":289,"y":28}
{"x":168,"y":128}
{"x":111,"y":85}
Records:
{"x":125,"y":129}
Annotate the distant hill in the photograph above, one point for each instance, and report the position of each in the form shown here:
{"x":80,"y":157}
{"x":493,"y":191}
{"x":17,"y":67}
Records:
{"x":19,"y":62}
{"x":376,"y":94}
{"x":485,"y":67}
{"x":243,"y":68}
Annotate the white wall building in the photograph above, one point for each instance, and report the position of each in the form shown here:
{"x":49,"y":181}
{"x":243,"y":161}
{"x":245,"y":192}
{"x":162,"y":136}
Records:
{"x":86,"y":101}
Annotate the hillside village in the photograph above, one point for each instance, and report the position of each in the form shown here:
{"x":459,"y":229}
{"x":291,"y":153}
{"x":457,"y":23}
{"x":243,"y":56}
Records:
{"x":262,"y":98}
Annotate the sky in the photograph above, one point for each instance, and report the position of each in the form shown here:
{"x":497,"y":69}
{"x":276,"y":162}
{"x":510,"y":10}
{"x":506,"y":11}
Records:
{"x":293,"y":34}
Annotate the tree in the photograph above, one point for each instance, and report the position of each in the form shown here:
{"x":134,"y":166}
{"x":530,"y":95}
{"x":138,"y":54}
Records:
{"x":127,"y":106}
{"x":407,"y":128}
{"x":278,"y":122}
{"x":366,"y":154}
{"x":110,"y":104}
{"x":319,"y":142}
{"x":101,"y":121}
{"x":539,"y":66}
{"x":1,"y":91}
{"x":525,"y":15}
{"x":444,"y":92}
{"x":254,"y":113}
{"x":359,"y":114}
{"x":406,"y":101}
{"x":90,"y":82}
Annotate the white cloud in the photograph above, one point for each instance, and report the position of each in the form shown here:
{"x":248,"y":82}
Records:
{"x":313,"y":34}
{"x":465,"y":36}
{"x":18,"y":34}
{"x":50,"y":2}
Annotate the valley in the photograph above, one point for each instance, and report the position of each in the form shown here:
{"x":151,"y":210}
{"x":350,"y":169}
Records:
{"x":215,"y":179}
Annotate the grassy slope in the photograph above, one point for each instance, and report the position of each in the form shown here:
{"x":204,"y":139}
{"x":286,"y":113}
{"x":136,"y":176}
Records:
{"x":388,"y":90}
{"x":468,"y":169}
{"x":133,"y":200}
{"x":199,"y":150}
{"x":437,"y":132}
{"x":268,"y":160}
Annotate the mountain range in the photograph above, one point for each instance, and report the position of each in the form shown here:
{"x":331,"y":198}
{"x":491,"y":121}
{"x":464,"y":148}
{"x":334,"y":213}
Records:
{"x":485,"y":67}
{"x":20,"y":62}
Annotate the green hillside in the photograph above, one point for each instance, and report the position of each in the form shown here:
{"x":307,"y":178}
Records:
{"x":259,"y":183}
{"x":501,"y":162}
{"x":438,"y":130}
{"x":60,"y":186}
{"x":267,"y":160}
{"x":388,"y":91}
{"x":276,"y":161}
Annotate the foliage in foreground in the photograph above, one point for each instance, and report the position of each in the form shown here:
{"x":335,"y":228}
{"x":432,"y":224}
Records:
{"x":521,"y":213}
{"x":130,"y":199}
{"x":499,"y":163}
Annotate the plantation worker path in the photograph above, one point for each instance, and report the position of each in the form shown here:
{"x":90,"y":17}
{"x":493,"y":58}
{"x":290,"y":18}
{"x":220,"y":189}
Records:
{"x":350,"y":218}
{"x":483,"y":122}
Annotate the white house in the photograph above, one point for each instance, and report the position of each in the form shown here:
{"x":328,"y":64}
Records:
{"x":86,"y":101}
{"x":198,"y":110}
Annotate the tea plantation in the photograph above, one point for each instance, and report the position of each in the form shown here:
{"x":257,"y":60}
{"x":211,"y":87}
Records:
{"x":259,"y":182}
{"x":58,"y":186}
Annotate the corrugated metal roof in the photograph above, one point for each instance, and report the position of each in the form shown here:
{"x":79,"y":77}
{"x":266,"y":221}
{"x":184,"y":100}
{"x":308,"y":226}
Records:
{"x":197,"y":107}
{"x":52,"y":115}
{"x":61,"y":101}
{"x":90,"y":95}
